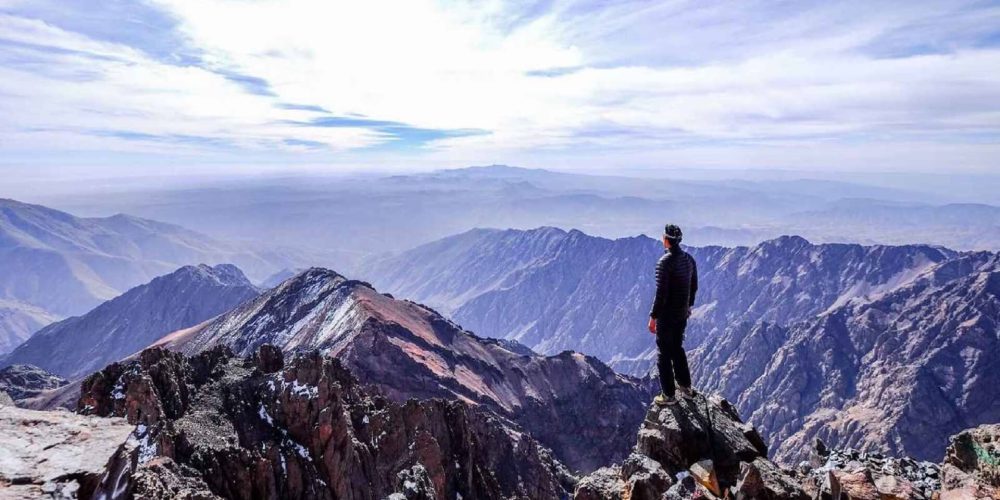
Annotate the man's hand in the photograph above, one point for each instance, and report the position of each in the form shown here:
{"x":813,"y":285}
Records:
{"x":652,"y":325}
{"x":689,"y":312}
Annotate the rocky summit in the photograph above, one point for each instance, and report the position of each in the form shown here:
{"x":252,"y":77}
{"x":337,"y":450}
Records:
{"x":700,"y":448}
{"x":971,"y":466}
{"x":215,"y":425}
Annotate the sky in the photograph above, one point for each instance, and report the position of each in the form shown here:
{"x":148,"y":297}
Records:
{"x":109,"y":88}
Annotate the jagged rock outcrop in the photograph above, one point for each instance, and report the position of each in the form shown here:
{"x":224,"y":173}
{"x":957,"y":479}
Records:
{"x":26,"y":381}
{"x":124,"y":325}
{"x":217,"y":425}
{"x":54,"y":454}
{"x":971,"y":466}
{"x":698,"y":445}
{"x":572,"y":403}
{"x":700,"y":448}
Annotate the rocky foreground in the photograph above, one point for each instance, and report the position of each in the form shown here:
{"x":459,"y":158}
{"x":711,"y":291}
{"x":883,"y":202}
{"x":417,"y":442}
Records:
{"x":215,"y":425}
{"x":700,"y":448}
{"x":54,"y":454}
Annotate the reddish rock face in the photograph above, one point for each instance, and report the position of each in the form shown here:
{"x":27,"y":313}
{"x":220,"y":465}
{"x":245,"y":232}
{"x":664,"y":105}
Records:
{"x":571,"y":403}
{"x":221,"y":425}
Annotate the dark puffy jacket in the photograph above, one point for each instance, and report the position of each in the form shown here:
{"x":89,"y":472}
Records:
{"x":676,"y":285}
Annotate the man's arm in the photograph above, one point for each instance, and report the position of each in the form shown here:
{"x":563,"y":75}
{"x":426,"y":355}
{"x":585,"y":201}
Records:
{"x":661,"y":287}
{"x":694,"y":285}
{"x":694,"y":280}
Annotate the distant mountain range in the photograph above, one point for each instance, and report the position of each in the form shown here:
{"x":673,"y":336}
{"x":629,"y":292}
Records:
{"x":770,"y":330}
{"x":349,"y":217}
{"x":572,"y":403}
{"x":18,"y":320}
{"x":54,"y":265}
{"x":553,"y":290}
{"x":80,"y":345}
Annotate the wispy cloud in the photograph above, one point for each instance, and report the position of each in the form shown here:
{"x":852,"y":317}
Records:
{"x":680,"y":83}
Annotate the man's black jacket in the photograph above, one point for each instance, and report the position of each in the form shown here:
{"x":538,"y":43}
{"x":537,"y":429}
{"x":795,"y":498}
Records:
{"x":676,"y":285}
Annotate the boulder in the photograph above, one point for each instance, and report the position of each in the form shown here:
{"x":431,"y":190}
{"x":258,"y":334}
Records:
{"x":763,"y":480}
{"x":704,"y":473}
{"x":645,"y":478}
{"x":856,"y":485}
{"x":680,"y":435}
{"x":603,"y":484}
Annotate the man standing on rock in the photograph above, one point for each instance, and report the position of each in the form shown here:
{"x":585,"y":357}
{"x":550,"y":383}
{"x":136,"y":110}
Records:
{"x":676,"y":285}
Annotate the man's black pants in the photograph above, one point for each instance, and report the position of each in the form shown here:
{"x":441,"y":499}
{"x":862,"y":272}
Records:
{"x":672,"y":360}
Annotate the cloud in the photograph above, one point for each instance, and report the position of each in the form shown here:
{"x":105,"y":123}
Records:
{"x":654,"y":83}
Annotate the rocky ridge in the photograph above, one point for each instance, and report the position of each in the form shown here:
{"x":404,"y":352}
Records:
{"x":215,"y":425}
{"x":572,"y":403}
{"x":699,"y":448}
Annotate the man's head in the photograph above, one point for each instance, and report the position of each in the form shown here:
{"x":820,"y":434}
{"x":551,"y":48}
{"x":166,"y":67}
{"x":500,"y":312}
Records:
{"x":672,"y":236}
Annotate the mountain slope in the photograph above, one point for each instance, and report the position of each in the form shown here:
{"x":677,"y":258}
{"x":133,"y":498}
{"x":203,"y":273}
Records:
{"x":77,"y":346}
{"x":570,"y":402}
{"x":18,"y":321}
{"x":897,"y":374}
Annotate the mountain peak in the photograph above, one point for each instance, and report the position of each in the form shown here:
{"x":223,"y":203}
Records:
{"x":411,"y":351}
{"x":787,"y":241}
{"x":125,"y":324}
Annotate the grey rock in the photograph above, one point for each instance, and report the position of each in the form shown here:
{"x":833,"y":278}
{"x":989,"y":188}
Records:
{"x":603,"y":484}
{"x":55,"y":454}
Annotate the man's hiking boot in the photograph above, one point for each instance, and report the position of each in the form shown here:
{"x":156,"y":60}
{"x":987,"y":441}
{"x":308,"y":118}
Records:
{"x":687,"y":392}
{"x":662,"y":399}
